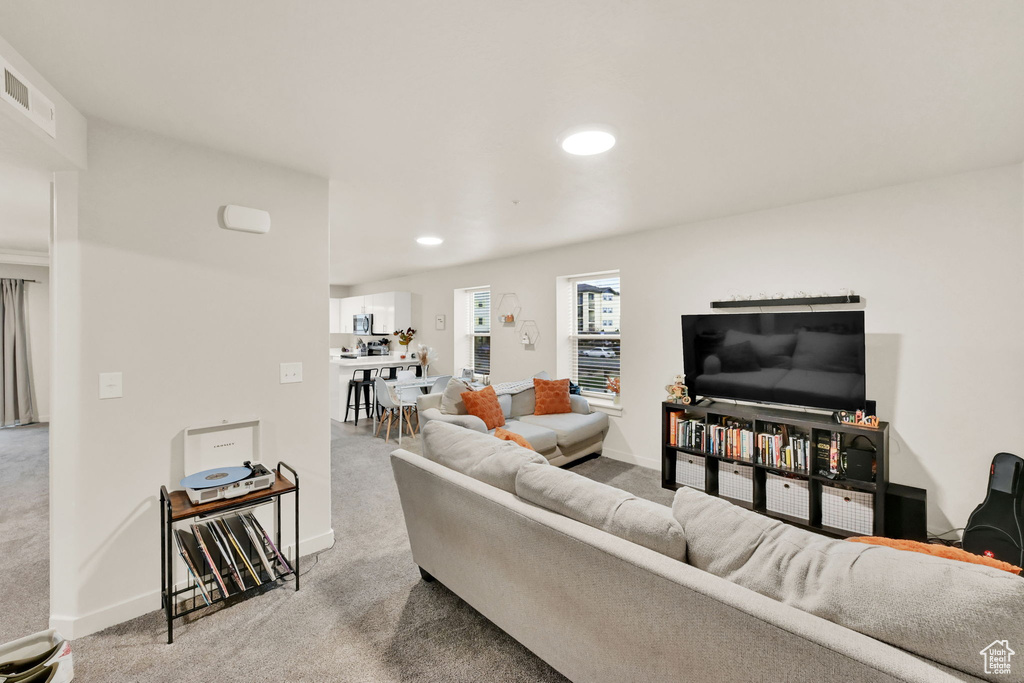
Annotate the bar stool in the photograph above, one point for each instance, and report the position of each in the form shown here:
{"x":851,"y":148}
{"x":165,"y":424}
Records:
{"x":362,"y":379}
{"x":390,"y":372}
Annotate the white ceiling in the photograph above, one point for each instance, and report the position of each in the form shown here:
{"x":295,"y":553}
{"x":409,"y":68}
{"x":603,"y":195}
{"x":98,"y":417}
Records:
{"x":433,"y":117}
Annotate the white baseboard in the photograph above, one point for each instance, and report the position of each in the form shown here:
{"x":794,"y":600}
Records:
{"x":87,"y":624}
{"x":623,"y":456}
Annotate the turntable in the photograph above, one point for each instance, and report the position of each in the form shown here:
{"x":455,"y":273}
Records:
{"x":222,"y":483}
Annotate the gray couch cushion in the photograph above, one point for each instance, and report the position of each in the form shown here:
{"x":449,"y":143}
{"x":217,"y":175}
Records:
{"x":941,"y":609}
{"x":570,"y":428}
{"x":524,"y":403}
{"x":477,"y":455}
{"x":603,"y":507}
{"x":451,"y":400}
{"x":505,"y":401}
{"x":541,"y":438}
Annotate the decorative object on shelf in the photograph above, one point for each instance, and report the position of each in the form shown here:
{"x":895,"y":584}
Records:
{"x":615,"y":387}
{"x":439,"y":321}
{"x":528,"y":332}
{"x":857,"y":417}
{"x":405,"y":338}
{"x":508,"y":308}
{"x":677,"y":392}
{"x":426,"y":356}
{"x":846,"y":296}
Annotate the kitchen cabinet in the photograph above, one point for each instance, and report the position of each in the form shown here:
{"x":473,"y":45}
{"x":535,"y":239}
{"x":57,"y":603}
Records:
{"x":391,"y":311}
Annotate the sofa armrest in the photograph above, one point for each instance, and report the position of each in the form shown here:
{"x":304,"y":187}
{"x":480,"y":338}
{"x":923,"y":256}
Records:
{"x":468,"y":421}
{"x":579,"y":404}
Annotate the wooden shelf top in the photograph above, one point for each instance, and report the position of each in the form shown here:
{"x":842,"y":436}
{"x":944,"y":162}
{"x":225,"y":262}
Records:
{"x":182,"y":507}
{"x":772,"y":414}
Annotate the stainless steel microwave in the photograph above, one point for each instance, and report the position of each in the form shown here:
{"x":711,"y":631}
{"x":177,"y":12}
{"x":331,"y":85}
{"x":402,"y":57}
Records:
{"x":362,"y":324}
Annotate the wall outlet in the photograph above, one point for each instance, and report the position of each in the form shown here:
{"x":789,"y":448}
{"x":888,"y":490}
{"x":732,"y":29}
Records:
{"x":291,"y":373}
{"x":110,"y":385}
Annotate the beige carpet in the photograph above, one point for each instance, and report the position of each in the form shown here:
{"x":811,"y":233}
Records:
{"x":363,"y":613}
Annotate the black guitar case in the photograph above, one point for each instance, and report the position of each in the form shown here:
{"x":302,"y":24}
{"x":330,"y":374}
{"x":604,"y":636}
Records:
{"x":996,"y":527}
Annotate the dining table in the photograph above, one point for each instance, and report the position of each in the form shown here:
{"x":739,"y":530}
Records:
{"x":424,"y":384}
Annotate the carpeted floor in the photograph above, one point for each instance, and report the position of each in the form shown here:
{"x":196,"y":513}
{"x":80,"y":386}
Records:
{"x":24,"y":530}
{"x":363,"y":613}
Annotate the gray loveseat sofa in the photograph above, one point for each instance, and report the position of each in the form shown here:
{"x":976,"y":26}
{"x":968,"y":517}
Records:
{"x":561,"y":438}
{"x":606,"y":601}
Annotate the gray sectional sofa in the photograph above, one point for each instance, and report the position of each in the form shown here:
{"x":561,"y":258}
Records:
{"x":561,"y":438}
{"x":609,"y":588}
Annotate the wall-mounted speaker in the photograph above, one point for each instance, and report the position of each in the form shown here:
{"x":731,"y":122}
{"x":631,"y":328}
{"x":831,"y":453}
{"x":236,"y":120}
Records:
{"x":245,"y":219}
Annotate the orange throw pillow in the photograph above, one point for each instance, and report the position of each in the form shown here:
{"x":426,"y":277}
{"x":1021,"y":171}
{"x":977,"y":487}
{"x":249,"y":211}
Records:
{"x":552,"y":396}
{"x":506,"y":435}
{"x":948,"y":552}
{"x":484,"y":404}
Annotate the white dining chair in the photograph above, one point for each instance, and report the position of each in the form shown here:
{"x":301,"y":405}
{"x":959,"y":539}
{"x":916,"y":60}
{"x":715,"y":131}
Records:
{"x":407,"y":400}
{"x":439,"y":384}
{"x":392,"y":409}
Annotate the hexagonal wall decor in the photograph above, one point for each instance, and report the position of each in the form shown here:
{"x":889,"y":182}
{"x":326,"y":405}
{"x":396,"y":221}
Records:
{"x":508,"y":308}
{"x":528,"y":332}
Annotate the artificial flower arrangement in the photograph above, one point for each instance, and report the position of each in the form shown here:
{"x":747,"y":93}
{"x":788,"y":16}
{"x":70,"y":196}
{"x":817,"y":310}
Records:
{"x":613,"y":385}
{"x":405,"y":338}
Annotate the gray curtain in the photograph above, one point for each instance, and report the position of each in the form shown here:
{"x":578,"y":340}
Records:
{"x":17,"y":400}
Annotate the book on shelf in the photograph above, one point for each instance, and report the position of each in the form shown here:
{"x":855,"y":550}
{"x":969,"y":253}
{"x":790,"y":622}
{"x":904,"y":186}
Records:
{"x":192,"y":557}
{"x":781,"y":449}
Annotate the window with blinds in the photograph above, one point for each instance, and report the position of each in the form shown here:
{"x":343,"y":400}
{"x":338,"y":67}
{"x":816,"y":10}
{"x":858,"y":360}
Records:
{"x":594,"y":337}
{"x":478,"y":317}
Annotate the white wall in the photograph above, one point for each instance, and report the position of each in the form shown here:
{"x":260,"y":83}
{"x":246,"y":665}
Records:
{"x":197,"y":319}
{"x":37,"y":300}
{"x":937,"y":261}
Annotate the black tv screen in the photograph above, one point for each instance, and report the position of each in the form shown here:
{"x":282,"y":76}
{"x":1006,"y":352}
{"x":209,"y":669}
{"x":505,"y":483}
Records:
{"x":805,"y":359}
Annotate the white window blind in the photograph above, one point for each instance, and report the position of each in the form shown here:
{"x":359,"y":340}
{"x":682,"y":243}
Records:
{"x":478,"y":334}
{"x":595,"y":334}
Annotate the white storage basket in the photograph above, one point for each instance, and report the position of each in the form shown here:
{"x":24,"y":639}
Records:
{"x":690,"y":470}
{"x":848,"y":510}
{"x":736,"y":481}
{"x":786,"y":496}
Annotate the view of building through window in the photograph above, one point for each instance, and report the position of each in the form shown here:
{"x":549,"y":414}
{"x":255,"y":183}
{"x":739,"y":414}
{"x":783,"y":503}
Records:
{"x":595,"y":337}
{"x":480,"y":330}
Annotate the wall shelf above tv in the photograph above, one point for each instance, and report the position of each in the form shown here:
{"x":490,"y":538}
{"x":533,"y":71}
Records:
{"x":800,"y":301}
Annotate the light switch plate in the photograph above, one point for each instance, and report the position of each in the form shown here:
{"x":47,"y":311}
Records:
{"x":110,"y":385}
{"x":291,"y":372}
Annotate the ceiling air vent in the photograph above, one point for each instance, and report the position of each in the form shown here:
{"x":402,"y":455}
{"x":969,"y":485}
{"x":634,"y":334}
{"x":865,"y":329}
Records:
{"x":28,"y":100}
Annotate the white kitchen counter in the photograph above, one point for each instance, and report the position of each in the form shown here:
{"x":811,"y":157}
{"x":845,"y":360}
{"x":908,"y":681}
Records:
{"x":341,"y":373}
{"x":373,"y":361}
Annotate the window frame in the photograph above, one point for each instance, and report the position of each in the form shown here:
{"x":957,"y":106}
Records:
{"x":575,"y":336}
{"x":471,"y":333}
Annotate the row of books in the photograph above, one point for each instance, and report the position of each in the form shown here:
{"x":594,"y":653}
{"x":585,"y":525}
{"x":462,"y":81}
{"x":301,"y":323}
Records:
{"x":796,"y":455}
{"x":234,"y":550}
{"x":738,"y":442}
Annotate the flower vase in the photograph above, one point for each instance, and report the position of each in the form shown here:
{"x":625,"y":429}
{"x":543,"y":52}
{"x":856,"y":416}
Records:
{"x":615,"y":400}
{"x":405,"y":350}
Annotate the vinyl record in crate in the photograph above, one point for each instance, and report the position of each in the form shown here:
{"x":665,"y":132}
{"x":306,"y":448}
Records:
{"x":220,"y":476}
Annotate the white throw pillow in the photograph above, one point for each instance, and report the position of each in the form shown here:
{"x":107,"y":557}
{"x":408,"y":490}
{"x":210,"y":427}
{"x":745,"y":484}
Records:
{"x":451,"y":400}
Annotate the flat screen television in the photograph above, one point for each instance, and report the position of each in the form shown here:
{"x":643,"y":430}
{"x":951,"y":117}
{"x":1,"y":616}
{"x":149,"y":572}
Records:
{"x":804,"y":359}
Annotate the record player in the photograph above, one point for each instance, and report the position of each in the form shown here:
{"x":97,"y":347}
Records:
{"x":222,"y":483}
{"x":212,"y":453}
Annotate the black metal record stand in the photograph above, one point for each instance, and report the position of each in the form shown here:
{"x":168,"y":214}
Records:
{"x":175,"y":506}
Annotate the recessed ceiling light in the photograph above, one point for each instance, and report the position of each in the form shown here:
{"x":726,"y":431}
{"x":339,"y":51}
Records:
{"x":429,"y":241}
{"x":588,"y":140}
